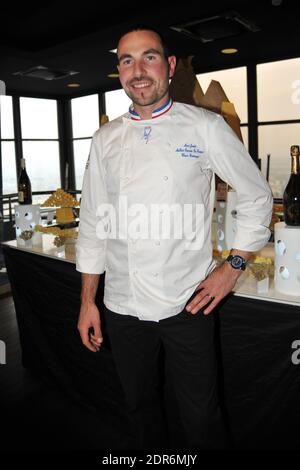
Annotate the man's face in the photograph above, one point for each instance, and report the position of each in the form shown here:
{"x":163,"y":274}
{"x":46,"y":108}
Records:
{"x":144,"y":71}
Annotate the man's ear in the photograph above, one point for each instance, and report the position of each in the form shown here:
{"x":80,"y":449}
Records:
{"x":172,"y":65}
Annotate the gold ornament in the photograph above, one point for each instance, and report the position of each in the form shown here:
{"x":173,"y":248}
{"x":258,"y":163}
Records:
{"x":65,"y":232}
{"x":26,"y":235}
{"x":60,"y":198}
{"x":59,"y":241}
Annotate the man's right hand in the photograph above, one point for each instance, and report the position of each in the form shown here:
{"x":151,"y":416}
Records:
{"x":89,"y":317}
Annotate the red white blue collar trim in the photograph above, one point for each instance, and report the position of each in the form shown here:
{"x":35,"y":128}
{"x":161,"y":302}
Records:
{"x":156,"y":113}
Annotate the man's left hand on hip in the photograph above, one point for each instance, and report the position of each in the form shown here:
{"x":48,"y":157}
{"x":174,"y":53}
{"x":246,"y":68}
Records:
{"x":214,"y":288}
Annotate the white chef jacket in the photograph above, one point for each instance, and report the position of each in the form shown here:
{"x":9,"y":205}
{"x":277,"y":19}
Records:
{"x":165,"y":160}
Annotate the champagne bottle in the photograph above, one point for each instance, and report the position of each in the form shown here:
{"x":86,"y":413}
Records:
{"x":24,"y":186}
{"x":291,"y":195}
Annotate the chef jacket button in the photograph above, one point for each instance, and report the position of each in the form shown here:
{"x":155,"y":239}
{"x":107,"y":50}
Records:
{"x":165,"y":177}
{"x":155,"y":274}
{"x":157,"y":242}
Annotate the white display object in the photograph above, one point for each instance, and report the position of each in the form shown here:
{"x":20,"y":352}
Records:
{"x":60,"y":251}
{"x":262,"y":286}
{"x":287,"y":258}
{"x":226,"y":222}
{"x":27,"y":216}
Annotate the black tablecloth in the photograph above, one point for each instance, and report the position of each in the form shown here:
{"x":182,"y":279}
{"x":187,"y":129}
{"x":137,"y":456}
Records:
{"x":259,"y":383}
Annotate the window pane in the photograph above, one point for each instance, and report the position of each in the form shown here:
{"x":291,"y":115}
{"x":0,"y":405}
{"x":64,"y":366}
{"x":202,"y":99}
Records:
{"x":277,"y":140}
{"x":117,"y":103}
{"x":42,"y":164}
{"x":81,"y":153}
{"x":234,"y":83}
{"x":6,"y":116}
{"x":85,"y":115}
{"x":9,"y":173}
{"x":281,"y":101}
{"x":38,"y":118}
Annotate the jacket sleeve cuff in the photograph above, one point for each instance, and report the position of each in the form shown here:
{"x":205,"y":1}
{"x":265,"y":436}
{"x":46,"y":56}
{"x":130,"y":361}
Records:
{"x":251,"y":240}
{"x":88,"y":261}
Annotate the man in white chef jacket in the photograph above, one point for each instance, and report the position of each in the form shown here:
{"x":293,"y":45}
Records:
{"x":145,"y":221}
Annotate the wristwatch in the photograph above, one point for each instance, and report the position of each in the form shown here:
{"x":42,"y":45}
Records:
{"x":237,"y":262}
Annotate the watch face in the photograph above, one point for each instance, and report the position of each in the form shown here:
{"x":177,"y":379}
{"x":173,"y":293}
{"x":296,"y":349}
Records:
{"x":237,"y":261}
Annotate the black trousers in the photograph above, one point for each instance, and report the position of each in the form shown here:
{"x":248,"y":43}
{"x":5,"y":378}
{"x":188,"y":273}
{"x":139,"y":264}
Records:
{"x":190,"y":364}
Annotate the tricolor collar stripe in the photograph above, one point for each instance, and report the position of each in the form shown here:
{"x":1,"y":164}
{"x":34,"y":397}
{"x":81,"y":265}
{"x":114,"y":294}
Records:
{"x":162,"y":106}
{"x":156,"y":113}
{"x":132,"y":111}
{"x":162,"y":110}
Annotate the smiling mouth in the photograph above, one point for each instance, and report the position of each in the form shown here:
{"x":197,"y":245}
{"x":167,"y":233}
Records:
{"x":140,"y":85}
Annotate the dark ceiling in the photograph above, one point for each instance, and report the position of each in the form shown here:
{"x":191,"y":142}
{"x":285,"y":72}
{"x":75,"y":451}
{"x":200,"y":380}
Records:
{"x":79,"y":38}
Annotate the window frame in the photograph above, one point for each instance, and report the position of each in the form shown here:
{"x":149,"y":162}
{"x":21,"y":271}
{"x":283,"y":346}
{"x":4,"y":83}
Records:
{"x":273,"y":122}
{"x":101,"y":110}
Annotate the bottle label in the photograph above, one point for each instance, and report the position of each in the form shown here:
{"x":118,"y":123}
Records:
{"x":20,"y":196}
{"x":293,"y":212}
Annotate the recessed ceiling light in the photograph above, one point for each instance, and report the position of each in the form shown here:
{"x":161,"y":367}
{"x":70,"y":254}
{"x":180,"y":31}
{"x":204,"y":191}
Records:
{"x":229,"y":50}
{"x":114,"y":51}
{"x":73,"y":85}
{"x":113,"y":75}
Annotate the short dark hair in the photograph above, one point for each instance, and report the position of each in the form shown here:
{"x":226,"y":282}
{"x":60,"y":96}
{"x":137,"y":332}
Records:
{"x":145,"y":27}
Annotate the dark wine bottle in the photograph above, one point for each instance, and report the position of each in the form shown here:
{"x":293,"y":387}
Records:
{"x":291,"y":195}
{"x":24,"y":186}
